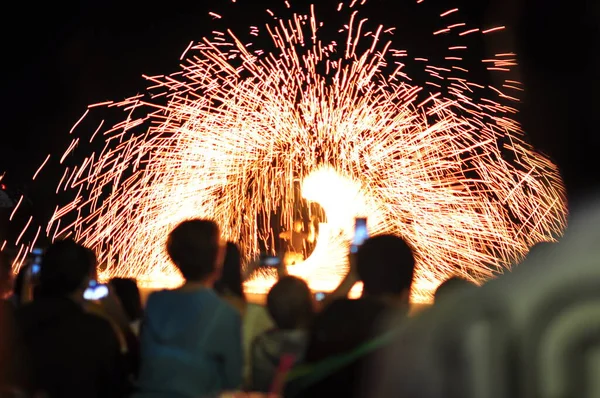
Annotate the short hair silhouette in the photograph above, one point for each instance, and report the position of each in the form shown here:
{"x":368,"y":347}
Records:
{"x":385,"y":264}
{"x":65,"y":267}
{"x":194,"y":247}
{"x":129,"y":294}
{"x":452,"y":285}
{"x":290,"y":303}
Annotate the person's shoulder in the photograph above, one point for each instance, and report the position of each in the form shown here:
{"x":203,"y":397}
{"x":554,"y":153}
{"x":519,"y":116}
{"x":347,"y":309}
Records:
{"x":45,"y":310}
{"x":160,"y":298}
{"x":33,"y":306}
{"x":227,"y":308}
{"x":157,"y":295}
{"x":107,"y":337}
{"x":267,"y":336}
{"x":63,"y":312}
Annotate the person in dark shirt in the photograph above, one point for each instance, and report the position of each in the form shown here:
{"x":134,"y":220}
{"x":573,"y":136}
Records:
{"x":128,"y":293}
{"x":343,"y":342}
{"x":348,"y":335}
{"x":71,"y":353}
{"x":13,"y":369}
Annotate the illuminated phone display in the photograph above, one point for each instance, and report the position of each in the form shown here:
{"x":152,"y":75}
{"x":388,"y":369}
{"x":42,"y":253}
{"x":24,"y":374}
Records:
{"x":361,"y":233}
{"x":95,"y":291}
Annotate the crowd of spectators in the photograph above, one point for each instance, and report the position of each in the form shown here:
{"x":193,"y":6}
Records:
{"x":203,"y":339}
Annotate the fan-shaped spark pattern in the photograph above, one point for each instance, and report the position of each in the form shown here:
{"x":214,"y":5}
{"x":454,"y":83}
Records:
{"x":238,"y":129}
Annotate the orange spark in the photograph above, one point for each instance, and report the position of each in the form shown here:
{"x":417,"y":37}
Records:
{"x":12,"y":214}
{"x":494,"y":29}
{"x":79,"y":121}
{"x":468,"y":32}
{"x":449,"y":12}
{"x":24,"y":230}
{"x":41,"y":167}
{"x":99,"y":104}
{"x":237,"y":134}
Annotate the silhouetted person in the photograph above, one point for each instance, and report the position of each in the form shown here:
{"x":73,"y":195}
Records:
{"x":349,"y":333}
{"x":291,"y":305}
{"x":339,"y":351}
{"x":71,"y":353}
{"x":385,"y":264}
{"x":230,"y":286}
{"x":191,"y":338}
{"x":113,"y":310}
{"x":129,"y":295}
{"x":231,"y":283}
{"x":13,"y":366}
{"x":451,"y":286}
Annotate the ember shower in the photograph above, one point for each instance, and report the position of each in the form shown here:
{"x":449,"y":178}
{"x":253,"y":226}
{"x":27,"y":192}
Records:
{"x":239,"y":130}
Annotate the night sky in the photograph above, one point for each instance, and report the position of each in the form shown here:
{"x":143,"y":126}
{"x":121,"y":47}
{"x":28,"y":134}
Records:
{"x":58,"y":57}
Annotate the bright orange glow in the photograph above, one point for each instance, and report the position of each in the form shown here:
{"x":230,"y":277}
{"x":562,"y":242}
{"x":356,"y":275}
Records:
{"x":234,"y":133}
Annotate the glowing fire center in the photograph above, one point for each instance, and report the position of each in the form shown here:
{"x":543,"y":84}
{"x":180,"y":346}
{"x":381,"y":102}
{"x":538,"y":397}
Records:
{"x":342,"y":200}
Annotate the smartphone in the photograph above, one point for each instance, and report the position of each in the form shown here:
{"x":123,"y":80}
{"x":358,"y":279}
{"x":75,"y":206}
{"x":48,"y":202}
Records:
{"x":95,"y":291}
{"x":270,"y":261}
{"x":36,"y":263}
{"x":320,"y":296}
{"x":35,"y":269}
{"x":361,"y":234}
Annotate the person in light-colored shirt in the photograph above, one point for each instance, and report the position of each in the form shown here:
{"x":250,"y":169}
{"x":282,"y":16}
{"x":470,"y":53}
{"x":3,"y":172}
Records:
{"x":191,"y":338}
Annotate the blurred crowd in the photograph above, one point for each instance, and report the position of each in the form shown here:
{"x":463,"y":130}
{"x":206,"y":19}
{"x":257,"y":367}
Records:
{"x":65,"y":334}
{"x":67,"y":338}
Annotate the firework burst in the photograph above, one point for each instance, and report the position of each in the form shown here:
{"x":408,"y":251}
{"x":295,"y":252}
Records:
{"x":233,"y":134}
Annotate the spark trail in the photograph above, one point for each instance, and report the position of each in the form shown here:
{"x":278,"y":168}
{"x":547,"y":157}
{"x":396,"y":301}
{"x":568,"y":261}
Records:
{"x":231,"y":134}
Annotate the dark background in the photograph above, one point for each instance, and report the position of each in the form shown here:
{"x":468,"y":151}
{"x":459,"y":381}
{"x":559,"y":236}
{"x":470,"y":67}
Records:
{"x":58,"y":57}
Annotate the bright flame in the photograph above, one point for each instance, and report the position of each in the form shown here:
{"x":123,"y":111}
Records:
{"x":342,"y":200}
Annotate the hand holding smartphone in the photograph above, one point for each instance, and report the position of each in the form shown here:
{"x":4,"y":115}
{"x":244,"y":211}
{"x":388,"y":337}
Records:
{"x":361,"y":234}
{"x":96,"y":291}
{"x":36,"y":262}
{"x":273,"y":262}
{"x":267,"y":261}
{"x":320,"y":296}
